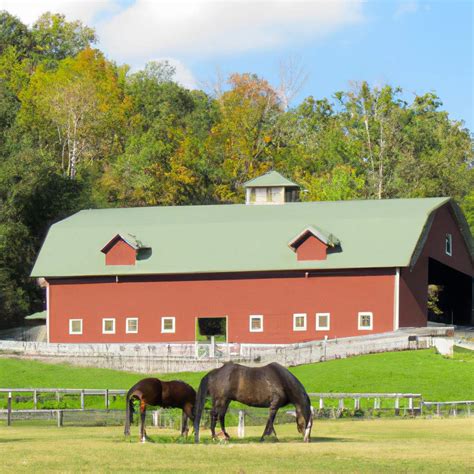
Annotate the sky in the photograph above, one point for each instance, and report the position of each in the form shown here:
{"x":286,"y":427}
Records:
{"x":420,"y":46}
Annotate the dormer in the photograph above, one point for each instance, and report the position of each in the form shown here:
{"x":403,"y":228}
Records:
{"x":313,"y":243}
{"x":270,"y":188}
{"x":122,"y":249}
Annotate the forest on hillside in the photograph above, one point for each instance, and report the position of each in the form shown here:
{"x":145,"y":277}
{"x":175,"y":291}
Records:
{"x":79,"y":131}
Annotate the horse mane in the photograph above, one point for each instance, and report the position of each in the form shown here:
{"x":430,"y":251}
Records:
{"x":296,"y":387}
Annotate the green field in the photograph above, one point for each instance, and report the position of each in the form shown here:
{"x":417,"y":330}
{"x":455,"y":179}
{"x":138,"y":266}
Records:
{"x":338,"y":446}
{"x":437,"y":378}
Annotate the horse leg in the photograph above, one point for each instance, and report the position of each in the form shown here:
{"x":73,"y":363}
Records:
{"x":222,"y":412}
{"x":213,"y":422}
{"x":269,"y":428}
{"x":184,"y":424}
{"x":142,"y":420}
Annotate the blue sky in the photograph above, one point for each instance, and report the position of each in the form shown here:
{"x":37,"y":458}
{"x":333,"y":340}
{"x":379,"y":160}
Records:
{"x":420,"y":46}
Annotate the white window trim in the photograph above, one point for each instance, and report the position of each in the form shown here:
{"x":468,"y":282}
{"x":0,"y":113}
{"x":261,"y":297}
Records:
{"x":74,"y":333}
{"x":323,"y":328}
{"x":296,"y":315}
{"x":169,"y":331}
{"x":365,"y":328}
{"x":449,"y":238}
{"x":127,"y":331}
{"x":103,"y":326}
{"x":260,"y":318}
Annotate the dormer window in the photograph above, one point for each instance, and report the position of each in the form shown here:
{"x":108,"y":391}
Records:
{"x":271,"y":188}
{"x":449,"y":245}
{"x":122,"y":249}
{"x":313,"y":243}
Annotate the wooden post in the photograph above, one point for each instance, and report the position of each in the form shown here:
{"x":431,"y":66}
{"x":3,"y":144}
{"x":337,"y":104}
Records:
{"x":321,"y":403}
{"x":454,"y":410}
{"x":410,"y":405}
{"x":212,"y":347}
{"x":468,"y":409}
{"x":59,"y":414}
{"x":83,"y":404}
{"x":377,"y":403}
{"x":155,"y":418}
{"x":241,"y":428}
{"x":58,"y":396}
{"x":356,"y":403}
{"x":397,"y":406}
{"x":9,"y":409}
{"x":341,"y":404}
{"x":438,"y":409}
{"x":35,"y":399}
{"x":106,"y":395}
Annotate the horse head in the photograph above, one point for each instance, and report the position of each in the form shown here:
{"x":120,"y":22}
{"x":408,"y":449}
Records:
{"x":304,"y":422}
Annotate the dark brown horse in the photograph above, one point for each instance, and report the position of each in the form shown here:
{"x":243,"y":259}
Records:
{"x":271,"y":387}
{"x":154,"y":392}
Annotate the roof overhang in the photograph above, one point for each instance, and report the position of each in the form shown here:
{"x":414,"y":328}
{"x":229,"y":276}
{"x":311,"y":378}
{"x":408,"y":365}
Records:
{"x":129,"y":239}
{"x":327,"y":238}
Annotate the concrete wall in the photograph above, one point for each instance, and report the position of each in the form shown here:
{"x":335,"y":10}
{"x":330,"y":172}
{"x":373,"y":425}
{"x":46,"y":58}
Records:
{"x":163,"y":358}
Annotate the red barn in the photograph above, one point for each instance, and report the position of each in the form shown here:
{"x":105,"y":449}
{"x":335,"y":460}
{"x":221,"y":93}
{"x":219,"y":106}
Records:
{"x":278,"y":272}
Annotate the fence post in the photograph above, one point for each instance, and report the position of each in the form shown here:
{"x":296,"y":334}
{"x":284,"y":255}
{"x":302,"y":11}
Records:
{"x":35,"y":399}
{"x":377,"y":403}
{"x":155,"y":418}
{"x":454,"y":409}
{"x":356,"y":403}
{"x":59,"y":414}
{"x":106,"y":397}
{"x":397,"y":406}
{"x":468,"y":409}
{"x":58,"y":397}
{"x":321,"y":403}
{"x":410,"y":405}
{"x":9,"y":409}
{"x":82,"y":400}
{"x":341,"y":404}
{"x":438,"y":409}
{"x":241,"y":427}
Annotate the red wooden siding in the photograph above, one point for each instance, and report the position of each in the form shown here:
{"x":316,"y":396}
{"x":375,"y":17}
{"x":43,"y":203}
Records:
{"x":311,"y":249}
{"x":414,"y":283}
{"x":120,"y":253}
{"x":342,"y":295}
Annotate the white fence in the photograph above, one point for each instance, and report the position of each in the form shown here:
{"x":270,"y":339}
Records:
{"x":179,"y":357}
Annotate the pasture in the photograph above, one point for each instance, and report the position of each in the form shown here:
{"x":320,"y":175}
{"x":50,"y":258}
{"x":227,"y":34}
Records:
{"x":421,"y":445}
{"x":437,"y":378}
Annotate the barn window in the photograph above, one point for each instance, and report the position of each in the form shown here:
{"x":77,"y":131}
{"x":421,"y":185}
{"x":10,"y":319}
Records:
{"x":299,"y":322}
{"x":168,"y":325}
{"x":108,"y":326}
{"x":449,"y":245}
{"x":75,"y":326}
{"x":132,"y":326}
{"x":322,"y":321}
{"x":365,"y":321}
{"x":256,"y":323}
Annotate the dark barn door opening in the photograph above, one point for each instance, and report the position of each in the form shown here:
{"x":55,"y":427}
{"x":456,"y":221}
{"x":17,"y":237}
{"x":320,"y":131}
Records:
{"x":207,"y":327}
{"x":449,"y":295}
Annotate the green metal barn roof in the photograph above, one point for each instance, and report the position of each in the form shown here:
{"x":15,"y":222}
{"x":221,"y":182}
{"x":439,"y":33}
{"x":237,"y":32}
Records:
{"x":237,"y":238}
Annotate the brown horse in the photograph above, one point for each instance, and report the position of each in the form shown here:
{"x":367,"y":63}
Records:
{"x":154,"y":392}
{"x":271,"y":387}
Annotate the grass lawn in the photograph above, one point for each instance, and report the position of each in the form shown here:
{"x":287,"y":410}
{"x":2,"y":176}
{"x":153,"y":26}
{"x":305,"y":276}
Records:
{"x":435,"y":377}
{"x":418,"y":445}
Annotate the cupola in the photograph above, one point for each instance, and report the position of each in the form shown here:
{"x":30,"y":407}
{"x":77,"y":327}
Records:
{"x":271,"y":188}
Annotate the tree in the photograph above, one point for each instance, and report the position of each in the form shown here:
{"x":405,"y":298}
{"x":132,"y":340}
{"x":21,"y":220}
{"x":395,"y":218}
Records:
{"x":14,"y":33}
{"x":56,"y":39}
{"x":78,"y":109}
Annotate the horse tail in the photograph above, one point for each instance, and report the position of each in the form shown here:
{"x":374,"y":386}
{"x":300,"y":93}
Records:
{"x":199,"y":406}
{"x":129,"y":410}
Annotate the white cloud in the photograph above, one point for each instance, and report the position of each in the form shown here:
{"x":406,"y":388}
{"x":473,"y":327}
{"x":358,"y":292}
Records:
{"x":406,"y":8}
{"x":208,"y":28}
{"x":85,"y":10}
